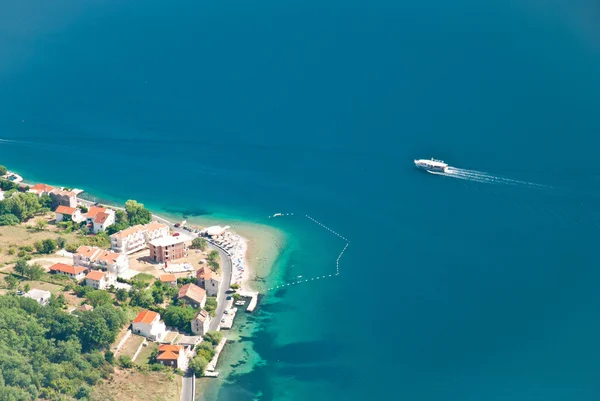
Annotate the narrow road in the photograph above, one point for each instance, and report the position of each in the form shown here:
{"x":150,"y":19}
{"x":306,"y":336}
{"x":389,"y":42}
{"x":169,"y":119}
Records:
{"x":225,"y":283}
{"x":188,"y":387}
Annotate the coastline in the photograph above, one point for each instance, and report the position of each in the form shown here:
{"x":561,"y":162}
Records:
{"x":262,"y":244}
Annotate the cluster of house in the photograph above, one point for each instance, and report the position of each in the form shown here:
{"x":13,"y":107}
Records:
{"x":148,"y":323}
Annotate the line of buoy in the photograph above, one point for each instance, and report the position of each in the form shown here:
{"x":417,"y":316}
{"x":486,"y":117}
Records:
{"x":337,"y":261}
{"x":327,"y":228}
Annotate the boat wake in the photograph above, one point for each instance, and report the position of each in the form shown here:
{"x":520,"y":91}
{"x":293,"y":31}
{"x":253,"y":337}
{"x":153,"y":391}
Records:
{"x":485,"y":178}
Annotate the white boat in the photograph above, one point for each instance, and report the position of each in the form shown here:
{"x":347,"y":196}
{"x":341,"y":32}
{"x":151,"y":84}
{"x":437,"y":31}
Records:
{"x":431,"y":165}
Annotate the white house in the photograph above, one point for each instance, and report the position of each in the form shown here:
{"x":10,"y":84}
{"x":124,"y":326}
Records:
{"x":97,"y":258}
{"x":103,"y":220}
{"x":100,"y":280}
{"x":148,"y":324}
{"x":208,"y":280}
{"x":201,"y":322}
{"x":75,"y":272}
{"x":40,"y":296}
{"x":68,"y":213}
{"x":130,"y":240}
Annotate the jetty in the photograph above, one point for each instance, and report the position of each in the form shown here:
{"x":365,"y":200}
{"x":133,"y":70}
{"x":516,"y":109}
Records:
{"x":227,"y":320}
{"x":212,"y":365}
{"x":253,"y":299}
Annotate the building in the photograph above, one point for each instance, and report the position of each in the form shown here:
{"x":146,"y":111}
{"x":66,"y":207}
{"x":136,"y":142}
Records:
{"x":192,"y":295}
{"x":201,"y":322}
{"x":208,"y":280}
{"x":93,"y":211}
{"x":40,"y":296}
{"x":96,"y":258}
{"x":75,"y":272}
{"x":67,"y":213}
{"x":100,"y":280}
{"x":136,"y":238}
{"x":130,"y":240}
{"x":172,"y":355}
{"x":167,"y":248}
{"x":103,"y":220}
{"x":41,"y":189}
{"x":63,"y":197}
{"x":169,"y":279}
{"x":156,"y":230}
{"x":148,"y":324}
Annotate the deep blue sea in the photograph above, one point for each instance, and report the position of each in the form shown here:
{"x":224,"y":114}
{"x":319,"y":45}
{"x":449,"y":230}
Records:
{"x":451,"y":289}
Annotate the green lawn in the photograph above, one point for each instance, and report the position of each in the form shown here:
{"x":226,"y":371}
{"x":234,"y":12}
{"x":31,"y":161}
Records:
{"x":144,"y":354}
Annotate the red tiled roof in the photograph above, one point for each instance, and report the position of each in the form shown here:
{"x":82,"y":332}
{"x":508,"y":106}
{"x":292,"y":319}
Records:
{"x":94,"y":210}
{"x":87,"y":251}
{"x":95,"y":275}
{"x":101,"y":217}
{"x":42,"y":188}
{"x":168,"y":278}
{"x":167,"y":356}
{"x":193,"y":292}
{"x":65,"y":210}
{"x":145,"y":316}
{"x":169,"y":347}
{"x":202,"y":315}
{"x":61,"y":267}
{"x":206,"y":274}
{"x":154,"y":225}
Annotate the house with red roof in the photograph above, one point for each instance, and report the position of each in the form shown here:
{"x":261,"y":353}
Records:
{"x":171,"y":355}
{"x":75,"y":272}
{"x":67,"y":213}
{"x":100,"y":218}
{"x":148,"y":324}
{"x":41,"y":189}
{"x":209,"y":280}
{"x":169,"y":279}
{"x":201,"y":322}
{"x":192,"y":295}
{"x":100,"y":280}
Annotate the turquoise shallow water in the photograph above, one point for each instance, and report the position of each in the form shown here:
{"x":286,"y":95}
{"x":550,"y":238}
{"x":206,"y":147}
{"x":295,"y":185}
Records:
{"x":450,"y":289}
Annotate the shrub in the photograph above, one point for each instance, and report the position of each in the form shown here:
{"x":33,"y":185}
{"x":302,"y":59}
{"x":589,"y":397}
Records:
{"x":125,"y":362}
{"x":61,"y":242}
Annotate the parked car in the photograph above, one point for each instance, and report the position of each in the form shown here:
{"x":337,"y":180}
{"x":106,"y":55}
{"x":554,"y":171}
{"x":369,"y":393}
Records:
{"x":175,"y":234}
{"x":177,"y":224}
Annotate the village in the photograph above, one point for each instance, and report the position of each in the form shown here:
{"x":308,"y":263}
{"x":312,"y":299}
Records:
{"x":180,"y":285}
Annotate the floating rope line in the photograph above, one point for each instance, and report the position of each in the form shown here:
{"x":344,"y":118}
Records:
{"x":315,"y":278}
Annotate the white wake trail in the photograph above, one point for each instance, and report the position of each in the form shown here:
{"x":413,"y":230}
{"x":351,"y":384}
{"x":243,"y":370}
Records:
{"x":483,"y":177}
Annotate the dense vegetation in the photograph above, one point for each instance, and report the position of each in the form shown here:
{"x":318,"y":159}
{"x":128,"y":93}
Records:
{"x":19,"y":207}
{"x":50,"y":354}
{"x":134,"y":213}
{"x":199,"y":243}
{"x":205,"y":351}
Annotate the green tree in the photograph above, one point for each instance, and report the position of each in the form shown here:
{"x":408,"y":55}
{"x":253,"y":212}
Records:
{"x":180,"y":317}
{"x":141,"y":298}
{"x":137,"y":213}
{"x":110,"y":357}
{"x":40,"y":224}
{"x":211,"y":306}
{"x":158,"y":294}
{"x":234,"y":286}
{"x":48,"y":246}
{"x":206,"y":350}
{"x":3,"y":170}
{"x":98,"y":297}
{"x":61,"y":242}
{"x":214,"y":265}
{"x":11,"y":281}
{"x":213,"y":337}
{"x":9,"y":220}
{"x":21,"y":267}
{"x":197,"y":365}
{"x":22,"y":205}
{"x":46,"y":201}
{"x":26,"y":287}
{"x":213,"y":255}
{"x":199,"y":243}
{"x":34,"y":271}
{"x":83,"y":209}
{"x":121,"y":295}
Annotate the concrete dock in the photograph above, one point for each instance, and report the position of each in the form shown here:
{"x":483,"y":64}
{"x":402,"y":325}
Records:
{"x":253,"y":299}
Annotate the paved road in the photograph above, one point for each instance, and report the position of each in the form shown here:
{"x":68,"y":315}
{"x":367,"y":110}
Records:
{"x":226,"y":276}
{"x":188,"y":387}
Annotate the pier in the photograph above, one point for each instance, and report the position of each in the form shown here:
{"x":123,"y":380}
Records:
{"x":212,"y":365}
{"x":253,"y":299}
